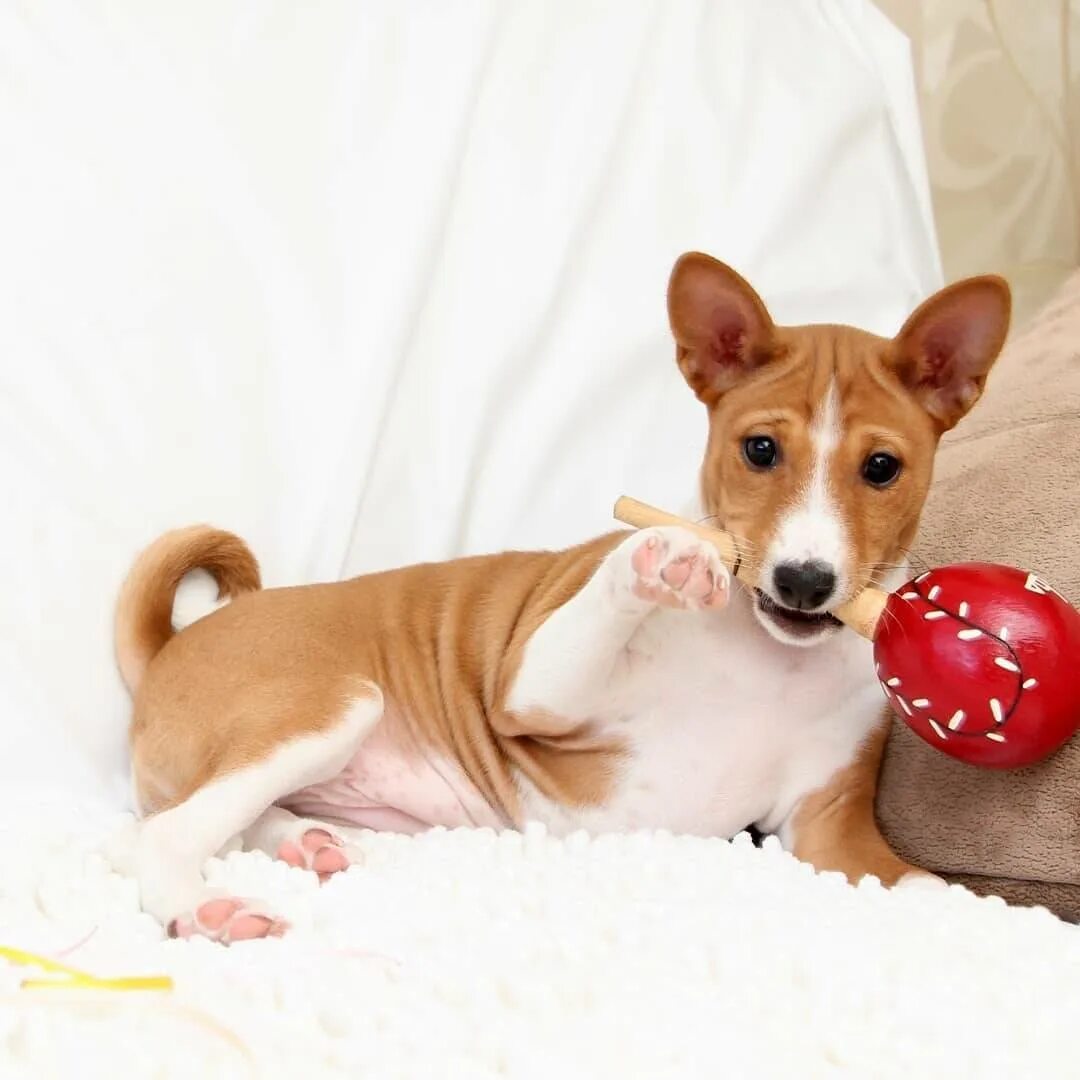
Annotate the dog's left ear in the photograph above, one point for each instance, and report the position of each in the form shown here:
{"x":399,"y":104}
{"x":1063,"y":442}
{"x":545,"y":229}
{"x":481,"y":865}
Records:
{"x":949,"y":344}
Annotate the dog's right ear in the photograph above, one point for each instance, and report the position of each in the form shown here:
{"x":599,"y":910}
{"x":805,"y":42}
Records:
{"x":722,"y":329}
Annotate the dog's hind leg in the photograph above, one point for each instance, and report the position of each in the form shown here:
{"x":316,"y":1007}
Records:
{"x":172,"y":846}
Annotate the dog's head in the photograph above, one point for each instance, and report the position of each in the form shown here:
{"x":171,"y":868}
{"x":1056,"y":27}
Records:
{"x":822,"y":438}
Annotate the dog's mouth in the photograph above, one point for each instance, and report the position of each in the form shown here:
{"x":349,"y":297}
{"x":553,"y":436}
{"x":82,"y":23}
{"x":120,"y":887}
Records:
{"x":798,"y":627}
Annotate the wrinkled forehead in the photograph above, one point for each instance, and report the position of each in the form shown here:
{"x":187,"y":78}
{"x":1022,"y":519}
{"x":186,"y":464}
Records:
{"x":830,"y":378}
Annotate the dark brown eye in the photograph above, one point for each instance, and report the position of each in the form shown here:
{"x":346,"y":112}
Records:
{"x":761,"y":451}
{"x":881,"y":469}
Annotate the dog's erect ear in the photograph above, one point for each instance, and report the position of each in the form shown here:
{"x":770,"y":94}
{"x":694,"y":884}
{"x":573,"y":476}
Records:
{"x":949,"y":344}
{"x":722,"y":330}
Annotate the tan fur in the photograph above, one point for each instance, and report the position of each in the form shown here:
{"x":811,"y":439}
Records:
{"x":835,"y":828}
{"x":757,"y":378}
{"x":443,"y":642}
{"x":145,"y":608}
{"x":782,"y":400}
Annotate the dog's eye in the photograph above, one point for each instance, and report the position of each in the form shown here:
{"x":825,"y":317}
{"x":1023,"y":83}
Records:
{"x":880,"y":469}
{"x":761,"y":451}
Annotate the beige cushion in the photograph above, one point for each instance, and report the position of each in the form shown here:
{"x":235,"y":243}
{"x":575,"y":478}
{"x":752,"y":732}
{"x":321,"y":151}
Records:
{"x":1007,"y":490}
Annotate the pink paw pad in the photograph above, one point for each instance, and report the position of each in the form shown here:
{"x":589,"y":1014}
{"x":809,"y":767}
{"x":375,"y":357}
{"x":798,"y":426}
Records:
{"x":318,"y":850}
{"x":226,"y":920}
{"x":689,"y":578}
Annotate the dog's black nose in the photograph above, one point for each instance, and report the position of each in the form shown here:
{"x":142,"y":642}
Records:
{"x":804,"y":586}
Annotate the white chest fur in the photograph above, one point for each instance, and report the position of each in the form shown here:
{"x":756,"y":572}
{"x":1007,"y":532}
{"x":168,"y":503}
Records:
{"x":725,"y":727}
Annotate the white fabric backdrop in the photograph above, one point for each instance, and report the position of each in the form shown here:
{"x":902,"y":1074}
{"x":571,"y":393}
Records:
{"x":378,"y":282}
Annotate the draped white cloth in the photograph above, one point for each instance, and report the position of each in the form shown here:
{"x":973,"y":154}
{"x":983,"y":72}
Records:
{"x":377,"y":282}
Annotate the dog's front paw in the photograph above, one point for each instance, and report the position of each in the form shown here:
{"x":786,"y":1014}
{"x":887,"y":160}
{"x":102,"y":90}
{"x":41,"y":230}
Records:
{"x":671,"y":567}
{"x":920,"y":879}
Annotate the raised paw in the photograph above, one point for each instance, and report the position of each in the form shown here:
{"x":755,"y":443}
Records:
{"x":674,"y":568}
{"x":315,"y":849}
{"x":227,"y":919}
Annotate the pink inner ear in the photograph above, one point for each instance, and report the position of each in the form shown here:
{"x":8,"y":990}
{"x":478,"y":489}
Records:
{"x":953,"y":353}
{"x":730,"y":343}
{"x":957,"y":333}
{"x":940,"y":351}
{"x":720,"y":325}
{"x":948,"y":367}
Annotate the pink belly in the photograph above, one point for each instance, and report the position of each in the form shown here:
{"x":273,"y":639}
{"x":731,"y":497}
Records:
{"x":392,"y":787}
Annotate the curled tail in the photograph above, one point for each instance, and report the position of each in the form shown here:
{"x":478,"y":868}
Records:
{"x":145,"y":609}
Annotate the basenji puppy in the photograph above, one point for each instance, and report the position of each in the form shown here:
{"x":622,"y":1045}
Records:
{"x":617,"y":685}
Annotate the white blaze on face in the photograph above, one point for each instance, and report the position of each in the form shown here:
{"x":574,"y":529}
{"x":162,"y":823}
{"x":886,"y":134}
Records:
{"x":811,"y":529}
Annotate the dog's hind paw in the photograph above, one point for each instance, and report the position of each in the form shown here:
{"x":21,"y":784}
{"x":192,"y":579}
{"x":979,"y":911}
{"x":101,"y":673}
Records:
{"x":227,"y":919}
{"x":315,"y":849}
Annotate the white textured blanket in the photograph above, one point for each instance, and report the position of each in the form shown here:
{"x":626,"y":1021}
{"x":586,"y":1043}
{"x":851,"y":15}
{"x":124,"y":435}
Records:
{"x":475,"y":955}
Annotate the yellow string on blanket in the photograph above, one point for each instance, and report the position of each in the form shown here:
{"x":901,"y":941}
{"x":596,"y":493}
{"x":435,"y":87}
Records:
{"x":72,"y":978}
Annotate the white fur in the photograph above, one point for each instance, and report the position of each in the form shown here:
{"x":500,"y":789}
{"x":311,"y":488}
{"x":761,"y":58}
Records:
{"x":167,"y":851}
{"x":813,"y":530}
{"x":196,"y":598}
{"x":592,"y":633}
{"x":276,"y":826}
{"x":726,"y":726}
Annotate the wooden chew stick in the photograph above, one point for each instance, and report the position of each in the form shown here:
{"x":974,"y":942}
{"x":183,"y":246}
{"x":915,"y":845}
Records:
{"x":860,"y":613}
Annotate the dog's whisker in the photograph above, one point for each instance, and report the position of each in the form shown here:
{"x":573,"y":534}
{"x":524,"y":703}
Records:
{"x":713,"y":521}
{"x":887,"y":615}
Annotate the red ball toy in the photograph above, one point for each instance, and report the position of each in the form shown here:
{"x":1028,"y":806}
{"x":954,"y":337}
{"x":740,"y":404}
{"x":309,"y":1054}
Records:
{"x":981,"y":662}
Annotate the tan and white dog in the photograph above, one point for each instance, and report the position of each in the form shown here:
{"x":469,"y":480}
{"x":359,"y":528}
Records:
{"x":612,"y":686}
